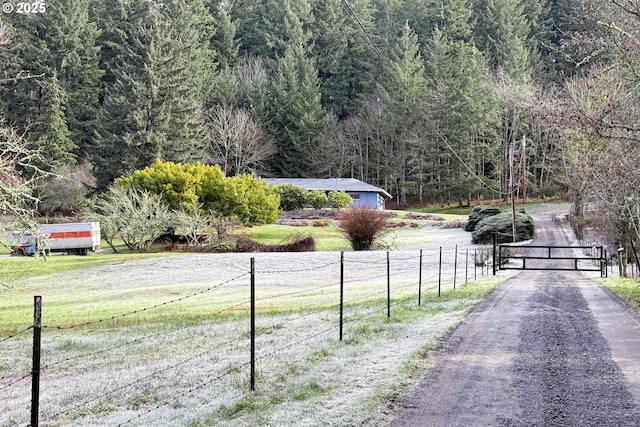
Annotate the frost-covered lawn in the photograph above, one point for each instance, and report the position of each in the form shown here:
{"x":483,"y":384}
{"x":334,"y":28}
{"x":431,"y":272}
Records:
{"x":196,"y":372}
{"x":164,"y":341}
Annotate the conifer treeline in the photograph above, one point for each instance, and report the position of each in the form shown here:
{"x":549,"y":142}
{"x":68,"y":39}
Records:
{"x":423,"y":98}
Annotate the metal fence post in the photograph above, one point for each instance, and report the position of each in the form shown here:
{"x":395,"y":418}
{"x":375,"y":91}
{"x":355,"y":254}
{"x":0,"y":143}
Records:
{"x":475,"y":264}
{"x":440,"y":271}
{"x":341,"y":292}
{"x":35,"y":369}
{"x":455,"y":267}
{"x":253,"y":324}
{"x":420,"y":280}
{"x":388,"y":286}
{"x":495,"y":243}
{"x":466,"y":266}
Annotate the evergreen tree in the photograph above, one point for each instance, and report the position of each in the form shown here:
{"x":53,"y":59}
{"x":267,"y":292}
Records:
{"x":537,"y":15}
{"x":25,"y":73}
{"x":502,"y":33}
{"x":294,"y":118}
{"x":224,"y":45}
{"x":61,"y":41}
{"x":267,"y":27}
{"x":71,"y":38}
{"x":347,"y":62}
{"x":404,"y":94}
{"x":389,"y":21}
{"x":158,"y":57}
{"x":55,"y":145}
{"x":329,"y":48}
{"x":462,"y":108}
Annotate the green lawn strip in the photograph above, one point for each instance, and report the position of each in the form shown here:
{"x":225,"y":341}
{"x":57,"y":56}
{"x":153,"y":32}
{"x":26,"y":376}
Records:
{"x":625,"y":288}
{"x":444,"y":210}
{"x":330,"y":238}
{"x":327,"y":238}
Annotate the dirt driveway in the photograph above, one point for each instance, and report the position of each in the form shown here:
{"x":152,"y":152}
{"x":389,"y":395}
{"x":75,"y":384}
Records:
{"x":548,"y":349}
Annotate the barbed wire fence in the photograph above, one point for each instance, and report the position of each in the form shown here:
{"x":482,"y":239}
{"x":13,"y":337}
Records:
{"x":289,"y":321}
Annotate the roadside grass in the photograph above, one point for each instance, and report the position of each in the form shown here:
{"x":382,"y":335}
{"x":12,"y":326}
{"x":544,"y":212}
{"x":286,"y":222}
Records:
{"x":445,"y":210}
{"x":456,"y":210}
{"x":625,"y":288}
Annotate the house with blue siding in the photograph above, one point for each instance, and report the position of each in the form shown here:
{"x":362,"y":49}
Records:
{"x":363,"y":194}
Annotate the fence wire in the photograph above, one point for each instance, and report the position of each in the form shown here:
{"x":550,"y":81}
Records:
{"x":366,"y":280}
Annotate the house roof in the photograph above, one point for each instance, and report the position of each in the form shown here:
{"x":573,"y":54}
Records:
{"x":350,"y":185}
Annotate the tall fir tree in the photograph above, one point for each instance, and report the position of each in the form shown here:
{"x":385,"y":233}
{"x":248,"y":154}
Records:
{"x":502,"y":33}
{"x":358,"y":67}
{"x":462,"y":107}
{"x":328,"y":48}
{"x":55,"y":144}
{"x":265,"y":28}
{"x":159,"y":61}
{"x":60,"y":42}
{"x":224,"y":44}
{"x":294,"y":118}
{"x":72,"y":39}
{"x":404,"y":94}
{"x":26,"y":73}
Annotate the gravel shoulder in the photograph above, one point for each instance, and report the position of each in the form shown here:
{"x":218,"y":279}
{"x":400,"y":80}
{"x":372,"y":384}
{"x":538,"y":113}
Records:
{"x":547,"y":349}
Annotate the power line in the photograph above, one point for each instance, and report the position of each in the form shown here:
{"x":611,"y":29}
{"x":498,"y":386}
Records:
{"x":385,"y":61}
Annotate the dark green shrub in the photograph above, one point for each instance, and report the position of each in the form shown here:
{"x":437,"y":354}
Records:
{"x":292,"y":197}
{"x":317,"y":199}
{"x":502,"y":226}
{"x":339,"y":199}
{"x":362,"y":226}
{"x":478,"y":214}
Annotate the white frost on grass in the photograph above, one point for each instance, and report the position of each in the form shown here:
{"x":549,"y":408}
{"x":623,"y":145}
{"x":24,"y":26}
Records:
{"x":186,"y":364}
{"x":201,"y":371}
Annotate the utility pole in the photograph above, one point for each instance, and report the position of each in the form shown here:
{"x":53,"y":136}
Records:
{"x":524,"y":169}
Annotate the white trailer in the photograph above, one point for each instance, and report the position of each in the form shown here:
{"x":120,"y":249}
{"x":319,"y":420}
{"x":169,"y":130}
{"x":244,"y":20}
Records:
{"x":74,"y":238}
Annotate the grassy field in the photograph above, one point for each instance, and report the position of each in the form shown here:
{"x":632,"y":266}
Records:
{"x":22,"y":268}
{"x":142,"y":340}
{"x":189,"y":365}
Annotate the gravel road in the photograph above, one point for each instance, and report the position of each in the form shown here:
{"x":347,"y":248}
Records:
{"x":549,"y":348}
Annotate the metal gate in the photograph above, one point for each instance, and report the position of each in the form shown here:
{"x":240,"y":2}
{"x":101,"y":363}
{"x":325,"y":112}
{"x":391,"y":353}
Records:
{"x":565,"y":258}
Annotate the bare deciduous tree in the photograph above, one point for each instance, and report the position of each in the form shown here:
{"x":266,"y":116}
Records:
{"x":235,"y":141}
{"x":18,"y":177}
{"x":66,"y":190}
